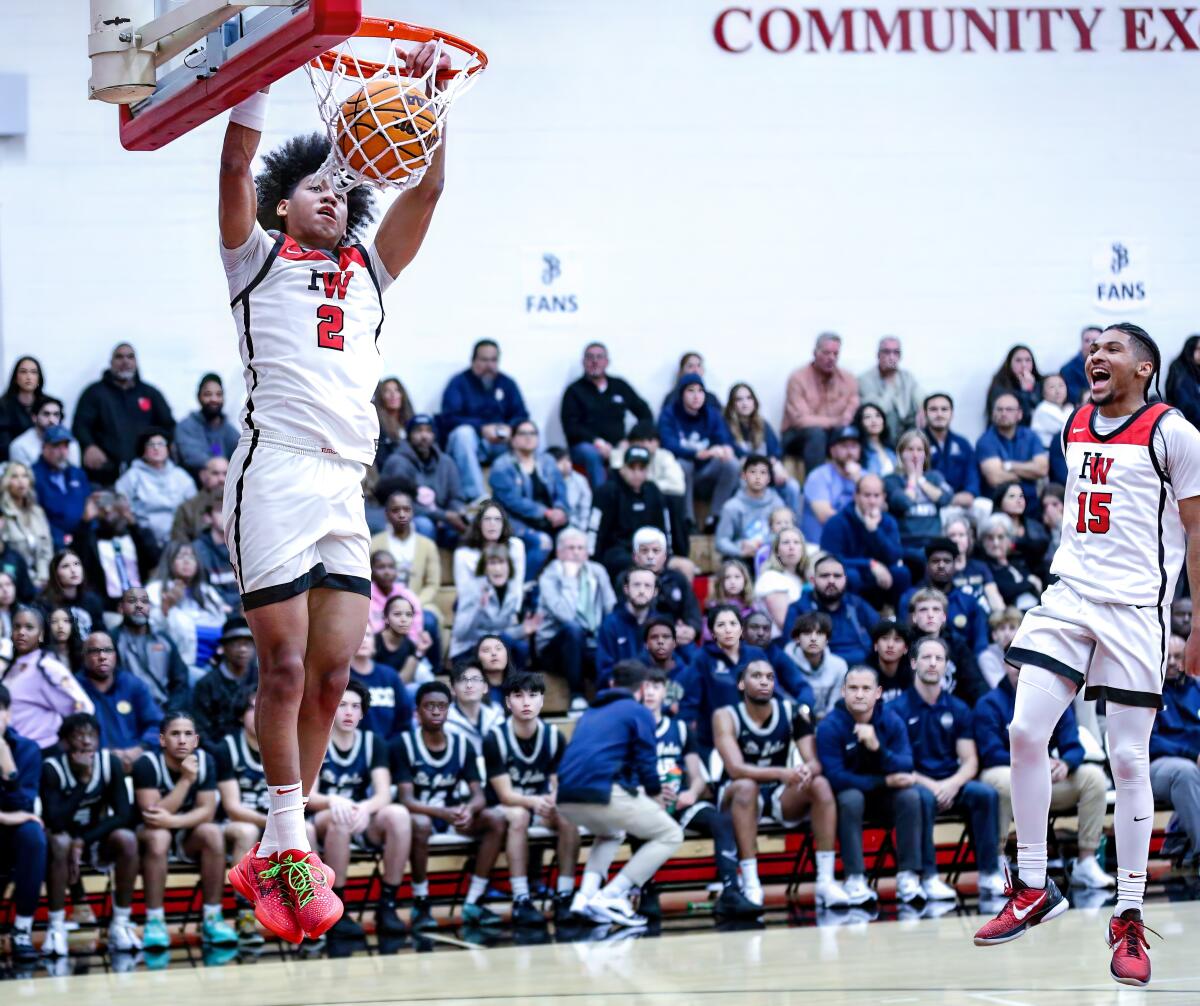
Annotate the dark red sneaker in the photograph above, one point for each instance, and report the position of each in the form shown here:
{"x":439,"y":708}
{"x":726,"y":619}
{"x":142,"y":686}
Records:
{"x":1026,"y":907}
{"x":258,"y":881}
{"x":306,"y":880}
{"x":1127,"y":938}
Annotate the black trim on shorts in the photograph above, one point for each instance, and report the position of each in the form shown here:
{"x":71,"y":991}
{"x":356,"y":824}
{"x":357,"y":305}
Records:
{"x":1145,"y":700}
{"x":1018,"y":655}
{"x":237,"y":505}
{"x":314,"y":578}
{"x":284,"y":591}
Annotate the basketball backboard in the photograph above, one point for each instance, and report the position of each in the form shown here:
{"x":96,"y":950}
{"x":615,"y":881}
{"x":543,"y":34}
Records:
{"x":171,"y":72}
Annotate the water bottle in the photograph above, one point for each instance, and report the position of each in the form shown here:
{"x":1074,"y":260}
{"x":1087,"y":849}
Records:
{"x":674,"y":777}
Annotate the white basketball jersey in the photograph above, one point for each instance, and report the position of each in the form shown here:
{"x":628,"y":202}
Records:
{"x":309,"y":323}
{"x":1122,"y":539}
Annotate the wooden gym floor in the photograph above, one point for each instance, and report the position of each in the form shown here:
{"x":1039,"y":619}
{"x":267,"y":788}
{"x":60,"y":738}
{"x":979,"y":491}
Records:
{"x":917,"y":961}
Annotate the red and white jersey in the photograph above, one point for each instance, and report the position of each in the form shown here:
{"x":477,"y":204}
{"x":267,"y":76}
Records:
{"x":1122,"y":538}
{"x":309,"y":321}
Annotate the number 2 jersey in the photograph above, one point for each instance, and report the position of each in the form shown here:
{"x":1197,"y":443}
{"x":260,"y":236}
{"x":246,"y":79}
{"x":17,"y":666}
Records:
{"x":1122,"y":537}
{"x":308,"y":322}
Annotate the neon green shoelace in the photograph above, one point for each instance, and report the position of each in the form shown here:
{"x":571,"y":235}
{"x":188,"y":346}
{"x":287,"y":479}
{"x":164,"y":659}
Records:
{"x":297,"y":874}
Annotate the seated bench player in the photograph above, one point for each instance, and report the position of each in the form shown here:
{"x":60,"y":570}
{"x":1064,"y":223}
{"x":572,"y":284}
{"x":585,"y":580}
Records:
{"x":686,"y":786}
{"x":431,"y":767}
{"x":176,"y":793}
{"x":754,"y":739}
{"x":471,"y":715}
{"x":352,"y":804}
{"x":86,"y":811}
{"x":521,"y":755}
{"x":245,"y":800}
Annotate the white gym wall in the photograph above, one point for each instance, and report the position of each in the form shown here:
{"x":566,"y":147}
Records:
{"x":693,"y":198}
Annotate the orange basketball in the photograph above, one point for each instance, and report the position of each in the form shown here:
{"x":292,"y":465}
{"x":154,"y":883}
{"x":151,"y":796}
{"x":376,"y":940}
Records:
{"x":383,"y":125}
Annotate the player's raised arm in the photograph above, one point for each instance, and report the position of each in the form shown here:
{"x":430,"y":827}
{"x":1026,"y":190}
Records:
{"x":407,"y":220}
{"x":238,"y":205}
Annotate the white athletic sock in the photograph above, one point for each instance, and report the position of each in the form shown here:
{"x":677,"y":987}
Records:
{"x":475,"y":891}
{"x":156,"y":913}
{"x":287,"y":815}
{"x":749,"y":868}
{"x":1042,"y":697}
{"x":269,"y":840}
{"x":618,"y":887}
{"x":212,"y":912}
{"x":120,"y":915}
{"x":520,"y":886}
{"x":825,"y":864}
{"x":591,"y":884}
{"x":58,"y":919}
{"x":566,"y":883}
{"x":23,"y":923}
{"x":420,"y":888}
{"x":1129,"y":730}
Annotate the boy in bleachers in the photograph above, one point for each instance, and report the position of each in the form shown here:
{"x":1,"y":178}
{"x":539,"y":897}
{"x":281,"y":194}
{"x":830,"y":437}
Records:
{"x":390,"y":711}
{"x":85,"y":807}
{"x":685,"y":785}
{"x":754,"y":739}
{"x":431,"y":767}
{"x":176,"y":793}
{"x":352,"y":804}
{"x":242,"y":786}
{"x":661,"y":653}
{"x":521,"y":756}
{"x":809,"y":651}
{"x":579,"y":493}
{"x":470,"y":715}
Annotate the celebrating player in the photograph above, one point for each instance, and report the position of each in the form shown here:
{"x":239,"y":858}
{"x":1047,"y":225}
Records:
{"x":1132,"y":513}
{"x":307,"y":301}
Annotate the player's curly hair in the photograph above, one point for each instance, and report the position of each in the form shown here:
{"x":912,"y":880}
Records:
{"x":283,"y":170}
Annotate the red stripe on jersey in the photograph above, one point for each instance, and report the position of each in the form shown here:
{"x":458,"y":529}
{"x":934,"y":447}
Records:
{"x":1137,"y":432}
{"x":296,"y":253}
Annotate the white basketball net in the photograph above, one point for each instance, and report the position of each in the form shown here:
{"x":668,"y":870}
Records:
{"x":403,"y":152}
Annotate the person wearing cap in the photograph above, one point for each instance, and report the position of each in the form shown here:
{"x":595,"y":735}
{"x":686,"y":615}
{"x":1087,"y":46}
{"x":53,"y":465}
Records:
{"x":966,"y":619}
{"x":820,"y":397}
{"x":621,"y":506}
{"x":62,"y":488}
{"x":113,"y":412}
{"x":207,"y":432}
{"x":154,"y":485}
{"x":420,"y":466}
{"x":830,"y":486}
{"x":694,"y":430}
{"x":215,"y":699}
{"x":480,"y":408}
{"x":666,"y":472}
{"x":1010,"y":452}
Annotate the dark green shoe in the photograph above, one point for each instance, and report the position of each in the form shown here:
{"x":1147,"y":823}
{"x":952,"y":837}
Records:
{"x":478,"y":915}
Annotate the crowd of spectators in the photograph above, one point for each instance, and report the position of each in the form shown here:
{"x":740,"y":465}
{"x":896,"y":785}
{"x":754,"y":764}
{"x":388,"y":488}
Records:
{"x":876,"y":561}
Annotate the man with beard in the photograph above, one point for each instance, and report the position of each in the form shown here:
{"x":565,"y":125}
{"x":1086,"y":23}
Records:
{"x":851,"y":616}
{"x":148,"y":653}
{"x":129,"y":717}
{"x":116,"y":552}
{"x":206,"y":433}
{"x":433,"y":477}
{"x":949,"y":453}
{"x":965,"y":618}
{"x":620,"y":635}
{"x":927,"y":617}
{"x":113,"y":412}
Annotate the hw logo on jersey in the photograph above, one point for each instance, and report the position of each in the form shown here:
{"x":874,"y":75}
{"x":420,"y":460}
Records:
{"x":1095,"y":468}
{"x":332,"y":284}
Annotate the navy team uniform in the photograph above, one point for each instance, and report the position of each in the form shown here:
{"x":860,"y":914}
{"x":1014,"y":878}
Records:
{"x":767,"y":746}
{"x":90,"y":811}
{"x":673,"y":742}
{"x":437,"y":779}
{"x":391,"y":712}
{"x":237,"y":760}
{"x":529,"y":764}
{"x":151,"y":771}
{"x":347,"y":773}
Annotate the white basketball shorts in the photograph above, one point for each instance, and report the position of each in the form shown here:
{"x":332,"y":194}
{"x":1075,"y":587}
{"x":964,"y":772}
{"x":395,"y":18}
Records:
{"x":294,"y":519}
{"x":1117,"y":652}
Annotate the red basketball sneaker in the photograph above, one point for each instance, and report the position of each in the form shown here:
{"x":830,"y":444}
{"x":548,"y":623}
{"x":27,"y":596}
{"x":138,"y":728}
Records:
{"x":258,"y":881}
{"x":1127,"y":938}
{"x":1026,"y":907}
{"x":307,"y":883}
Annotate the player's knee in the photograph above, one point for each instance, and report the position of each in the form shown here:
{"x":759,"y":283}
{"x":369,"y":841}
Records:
{"x":1130,"y":760}
{"x":209,"y":837}
{"x":517,"y":817}
{"x":331,"y":687}
{"x":123,"y":843}
{"x":156,"y":842}
{"x":1023,"y":738}
{"x":59,"y":846}
{"x":422,"y":828}
{"x":495,"y":820}
{"x":395,"y":819}
{"x":909,"y":798}
{"x":281,"y":680}
{"x":820,"y":790}
{"x":743,"y":791}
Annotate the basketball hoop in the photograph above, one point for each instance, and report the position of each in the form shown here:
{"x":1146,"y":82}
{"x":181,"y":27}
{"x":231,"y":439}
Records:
{"x":384,"y":123}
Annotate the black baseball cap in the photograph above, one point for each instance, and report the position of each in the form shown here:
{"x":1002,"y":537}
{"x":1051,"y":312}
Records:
{"x":420,"y":419}
{"x":840,"y":433}
{"x":940,"y":545}
{"x":637,"y":456}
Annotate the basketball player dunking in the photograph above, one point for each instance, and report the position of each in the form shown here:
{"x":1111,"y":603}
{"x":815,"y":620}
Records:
{"x":307,"y":302}
{"x":1132,"y":517}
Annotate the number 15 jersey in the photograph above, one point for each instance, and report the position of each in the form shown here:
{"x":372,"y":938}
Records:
{"x":309,"y":323}
{"x":1122,"y":537}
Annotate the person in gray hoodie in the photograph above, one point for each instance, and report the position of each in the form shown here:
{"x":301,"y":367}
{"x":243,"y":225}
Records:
{"x":745,"y":523}
{"x":154,"y":485}
{"x":432,"y":477}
